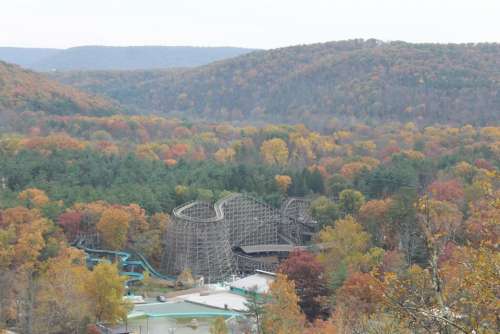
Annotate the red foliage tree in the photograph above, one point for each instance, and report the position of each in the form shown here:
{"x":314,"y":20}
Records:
{"x":177,"y":151}
{"x":484,"y":164}
{"x":386,"y":153}
{"x":70,"y":222}
{"x":310,"y":282}
{"x":451,"y":191}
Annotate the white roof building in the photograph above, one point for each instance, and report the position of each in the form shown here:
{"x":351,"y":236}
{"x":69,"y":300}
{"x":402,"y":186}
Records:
{"x":221,"y":300}
{"x":258,"y":282}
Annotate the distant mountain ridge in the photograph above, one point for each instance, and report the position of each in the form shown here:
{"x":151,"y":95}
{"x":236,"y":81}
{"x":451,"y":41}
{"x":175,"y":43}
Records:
{"x":25,"y":57}
{"x":368,"y":79}
{"x":24,"y":90}
{"x":116,"y":58}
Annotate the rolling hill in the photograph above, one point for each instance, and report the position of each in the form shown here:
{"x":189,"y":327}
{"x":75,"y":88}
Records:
{"x":116,"y":58}
{"x":25,"y":57}
{"x":24,"y":90}
{"x":369,"y":79}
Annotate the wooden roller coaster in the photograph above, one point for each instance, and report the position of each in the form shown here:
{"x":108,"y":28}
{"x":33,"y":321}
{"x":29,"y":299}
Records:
{"x":213,"y":240}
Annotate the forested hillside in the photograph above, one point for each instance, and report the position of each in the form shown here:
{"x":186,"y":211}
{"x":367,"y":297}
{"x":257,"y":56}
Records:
{"x":404,"y":206}
{"x":409,"y":212}
{"x":117,"y":58}
{"x":22,"y":90}
{"x":458,"y":83}
{"x":143,"y":159}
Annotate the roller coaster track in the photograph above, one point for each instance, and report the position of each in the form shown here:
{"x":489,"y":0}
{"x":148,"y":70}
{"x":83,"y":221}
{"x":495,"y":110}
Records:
{"x":218,"y":208}
{"x":125,"y":261}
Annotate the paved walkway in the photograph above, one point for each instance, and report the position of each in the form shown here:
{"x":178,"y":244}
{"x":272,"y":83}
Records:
{"x":174,"y":294}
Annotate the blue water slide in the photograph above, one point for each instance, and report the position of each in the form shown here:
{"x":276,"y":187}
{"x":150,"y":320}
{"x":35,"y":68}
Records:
{"x":125,"y":261}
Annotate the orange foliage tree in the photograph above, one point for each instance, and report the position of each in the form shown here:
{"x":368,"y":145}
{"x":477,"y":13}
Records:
{"x":283,"y":182}
{"x":33,"y":198}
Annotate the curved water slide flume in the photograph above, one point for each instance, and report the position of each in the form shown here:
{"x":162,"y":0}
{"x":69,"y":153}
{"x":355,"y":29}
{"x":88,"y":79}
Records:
{"x":125,"y":260}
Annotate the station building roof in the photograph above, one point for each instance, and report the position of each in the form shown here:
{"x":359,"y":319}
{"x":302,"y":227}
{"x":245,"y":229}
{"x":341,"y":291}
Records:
{"x":258,"y":282}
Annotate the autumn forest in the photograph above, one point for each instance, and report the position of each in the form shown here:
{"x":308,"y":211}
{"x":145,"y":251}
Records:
{"x":401,"y":166}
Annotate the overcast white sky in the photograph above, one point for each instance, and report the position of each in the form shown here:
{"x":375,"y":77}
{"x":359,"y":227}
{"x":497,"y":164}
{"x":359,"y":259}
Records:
{"x":249,"y":23}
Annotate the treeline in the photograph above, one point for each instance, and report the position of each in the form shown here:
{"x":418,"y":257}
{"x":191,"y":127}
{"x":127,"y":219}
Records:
{"x":86,"y":176}
{"x":22,"y":90}
{"x":370,"y":79}
{"x":149,"y":160}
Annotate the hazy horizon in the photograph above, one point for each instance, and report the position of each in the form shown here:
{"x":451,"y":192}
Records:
{"x":258,"y":24}
{"x":125,"y":46}
{"x":231,"y":46}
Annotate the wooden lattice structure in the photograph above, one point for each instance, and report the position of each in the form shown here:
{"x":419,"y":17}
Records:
{"x":210,"y":239}
{"x":297,"y":224}
{"x":250,"y":221}
{"x":199,"y":240}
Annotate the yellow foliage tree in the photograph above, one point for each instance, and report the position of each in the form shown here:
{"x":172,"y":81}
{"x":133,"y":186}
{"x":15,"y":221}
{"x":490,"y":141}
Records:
{"x":181,"y":190}
{"x":348,"y":245}
{"x":471,"y":286}
{"x":283,"y":182}
{"x":10,"y":144}
{"x":62,"y":305}
{"x":113,"y":227}
{"x":274,"y":151}
{"x":365,"y":146}
{"x":146,"y":151}
{"x":282,"y":315}
{"x":225,"y":154}
{"x":303,"y":151}
{"x":105,"y":289}
{"x":24,"y":237}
